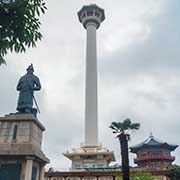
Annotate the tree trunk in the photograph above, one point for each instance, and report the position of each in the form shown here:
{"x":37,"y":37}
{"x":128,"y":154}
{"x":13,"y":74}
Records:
{"x":124,"y":156}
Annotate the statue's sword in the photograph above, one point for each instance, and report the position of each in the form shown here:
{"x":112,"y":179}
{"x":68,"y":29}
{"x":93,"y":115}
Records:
{"x":33,"y":97}
{"x":36,"y":103}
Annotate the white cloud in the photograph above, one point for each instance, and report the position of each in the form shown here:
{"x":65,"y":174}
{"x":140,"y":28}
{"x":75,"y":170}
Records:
{"x":129,"y":22}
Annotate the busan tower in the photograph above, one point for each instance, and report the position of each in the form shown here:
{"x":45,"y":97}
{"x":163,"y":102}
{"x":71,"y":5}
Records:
{"x":91,"y":153}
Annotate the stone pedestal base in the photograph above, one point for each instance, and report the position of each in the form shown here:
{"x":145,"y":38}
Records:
{"x":21,"y":157}
{"x":90,"y":157}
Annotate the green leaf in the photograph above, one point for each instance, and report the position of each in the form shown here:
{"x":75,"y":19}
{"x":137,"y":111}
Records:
{"x":42,"y":10}
{"x":20,"y":25}
{"x":135,"y":126}
{"x":2,"y":61}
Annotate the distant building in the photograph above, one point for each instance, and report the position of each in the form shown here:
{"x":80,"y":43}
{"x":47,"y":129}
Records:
{"x":153,"y":153}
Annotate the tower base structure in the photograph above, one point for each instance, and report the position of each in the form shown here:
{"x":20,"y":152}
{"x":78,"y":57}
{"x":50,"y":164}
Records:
{"x":87,"y":157}
{"x":21,"y":157}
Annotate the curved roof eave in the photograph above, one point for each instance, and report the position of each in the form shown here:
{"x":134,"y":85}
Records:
{"x":152,"y":142}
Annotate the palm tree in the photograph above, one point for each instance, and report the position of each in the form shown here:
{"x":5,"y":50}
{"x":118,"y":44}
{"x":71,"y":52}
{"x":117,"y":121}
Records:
{"x":122,"y":129}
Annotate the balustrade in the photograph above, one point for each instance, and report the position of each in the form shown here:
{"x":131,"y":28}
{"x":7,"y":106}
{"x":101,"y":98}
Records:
{"x":154,"y":157}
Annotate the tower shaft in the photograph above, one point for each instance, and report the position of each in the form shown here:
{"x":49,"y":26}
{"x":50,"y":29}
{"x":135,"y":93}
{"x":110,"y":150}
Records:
{"x":91,"y":104}
{"x":90,"y":154}
{"x":91,"y":17}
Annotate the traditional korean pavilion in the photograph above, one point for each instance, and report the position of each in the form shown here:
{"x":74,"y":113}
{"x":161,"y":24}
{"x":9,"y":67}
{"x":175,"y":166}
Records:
{"x":153,"y":153}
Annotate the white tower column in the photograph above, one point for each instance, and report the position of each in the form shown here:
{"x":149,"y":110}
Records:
{"x":91,"y":153}
{"x":91,"y":104}
{"x":91,"y":17}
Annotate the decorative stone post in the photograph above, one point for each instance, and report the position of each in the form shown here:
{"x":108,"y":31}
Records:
{"x":41,"y":173}
{"x":28,"y":170}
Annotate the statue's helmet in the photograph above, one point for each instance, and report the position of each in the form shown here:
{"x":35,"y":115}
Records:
{"x":30,"y":68}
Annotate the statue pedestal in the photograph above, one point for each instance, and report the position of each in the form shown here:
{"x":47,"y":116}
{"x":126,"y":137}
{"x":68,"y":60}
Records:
{"x":21,"y":157}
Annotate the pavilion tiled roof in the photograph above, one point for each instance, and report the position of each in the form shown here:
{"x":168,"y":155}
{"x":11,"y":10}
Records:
{"x":152,"y":142}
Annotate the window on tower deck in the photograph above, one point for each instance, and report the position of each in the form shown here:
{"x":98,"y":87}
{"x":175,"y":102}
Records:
{"x":15,"y":133}
{"x":97,"y":14}
{"x":90,"y":13}
{"x":83,"y":15}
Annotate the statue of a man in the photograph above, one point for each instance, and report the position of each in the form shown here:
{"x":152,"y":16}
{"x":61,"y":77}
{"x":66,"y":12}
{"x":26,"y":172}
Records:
{"x":26,"y":87}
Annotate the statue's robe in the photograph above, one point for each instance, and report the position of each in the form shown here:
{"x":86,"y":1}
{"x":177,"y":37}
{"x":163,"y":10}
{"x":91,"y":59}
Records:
{"x":27,"y":85}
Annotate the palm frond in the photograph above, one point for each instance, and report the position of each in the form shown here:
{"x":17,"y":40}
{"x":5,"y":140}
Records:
{"x":124,"y":127}
{"x":126,"y":124}
{"x":114,"y":127}
{"x":120,"y":126}
{"x":135,"y":126}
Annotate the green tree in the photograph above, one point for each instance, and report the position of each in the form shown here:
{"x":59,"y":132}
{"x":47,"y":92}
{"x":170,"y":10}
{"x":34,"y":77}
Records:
{"x":122,"y":129}
{"x":174,"y":174}
{"x":19,"y":25}
{"x":142,"y":176}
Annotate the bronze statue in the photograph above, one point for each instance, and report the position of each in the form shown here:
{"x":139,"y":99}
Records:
{"x":26,"y":87}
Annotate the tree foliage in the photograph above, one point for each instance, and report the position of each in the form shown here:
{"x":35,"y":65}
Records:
{"x":19,"y":25}
{"x":124,"y":127}
{"x":139,"y":176}
{"x":174,"y":174}
{"x":142,"y":176}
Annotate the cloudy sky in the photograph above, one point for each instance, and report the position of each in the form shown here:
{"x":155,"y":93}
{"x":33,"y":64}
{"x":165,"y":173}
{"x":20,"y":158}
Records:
{"x":138,"y":66}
